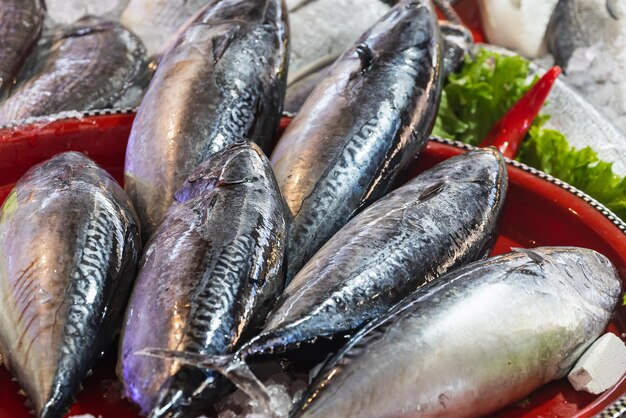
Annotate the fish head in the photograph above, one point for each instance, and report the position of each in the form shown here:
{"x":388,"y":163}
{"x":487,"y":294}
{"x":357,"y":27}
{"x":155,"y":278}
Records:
{"x":230,"y":167}
{"x":406,"y":27}
{"x":483,"y":165}
{"x":592,"y":277}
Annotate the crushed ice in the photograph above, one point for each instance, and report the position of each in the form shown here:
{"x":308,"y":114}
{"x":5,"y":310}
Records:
{"x":284,"y":393}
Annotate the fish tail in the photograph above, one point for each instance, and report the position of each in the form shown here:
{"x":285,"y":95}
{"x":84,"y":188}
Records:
{"x":231,"y":366}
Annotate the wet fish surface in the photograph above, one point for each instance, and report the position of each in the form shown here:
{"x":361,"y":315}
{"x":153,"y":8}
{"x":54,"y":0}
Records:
{"x":222,"y":82}
{"x":69,"y":246}
{"x":442,"y":219}
{"x":207,"y":279}
{"x":89,"y":66}
{"x":474,"y":341}
{"x":22,"y":21}
{"x":371,"y":114}
{"x":300,"y":86}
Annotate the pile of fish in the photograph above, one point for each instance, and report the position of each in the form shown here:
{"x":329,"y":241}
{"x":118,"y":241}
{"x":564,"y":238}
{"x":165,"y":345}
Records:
{"x":246,"y":256}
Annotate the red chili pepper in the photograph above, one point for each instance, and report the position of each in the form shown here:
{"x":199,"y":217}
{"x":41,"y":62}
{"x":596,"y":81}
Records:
{"x":508,"y":133}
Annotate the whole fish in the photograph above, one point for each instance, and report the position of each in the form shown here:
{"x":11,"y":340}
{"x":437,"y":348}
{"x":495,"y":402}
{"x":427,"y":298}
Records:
{"x":89,"y":66}
{"x":222,"y":82}
{"x":457,"y":42}
{"x":476,"y":340}
{"x":444,"y":218}
{"x":69,"y":246}
{"x":22,"y":21}
{"x":156,"y":22}
{"x":207,"y":279}
{"x":588,"y":39}
{"x":579,"y":120}
{"x":370,"y":116}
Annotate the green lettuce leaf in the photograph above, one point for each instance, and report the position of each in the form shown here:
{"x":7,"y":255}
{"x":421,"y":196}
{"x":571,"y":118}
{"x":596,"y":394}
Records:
{"x":549,"y":151}
{"x":485,"y":89}
{"x":480,"y":94}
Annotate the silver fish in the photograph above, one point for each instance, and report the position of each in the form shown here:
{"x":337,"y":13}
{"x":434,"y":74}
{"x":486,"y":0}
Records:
{"x":442,"y":219}
{"x":579,"y":120}
{"x":157,"y":22}
{"x":223,"y":82}
{"x":207,"y":279}
{"x":89,"y":66}
{"x":69,"y":245}
{"x":474,"y":341}
{"x":22,"y":21}
{"x":369,"y":117}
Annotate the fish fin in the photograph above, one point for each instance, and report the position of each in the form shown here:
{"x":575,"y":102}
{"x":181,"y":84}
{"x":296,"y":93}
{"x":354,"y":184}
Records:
{"x":431,"y":191}
{"x":533,"y":255}
{"x":231,"y":366}
{"x":366,"y":56}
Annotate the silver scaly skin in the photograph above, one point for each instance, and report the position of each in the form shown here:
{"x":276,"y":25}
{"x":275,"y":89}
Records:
{"x":89,"y":66}
{"x":369,"y":117}
{"x":444,"y":218}
{"x":69,"y":246}
{"x":22,"y":21}
{"x":207,"y":279}
{"x":474,"y":341}
{"x":222,"y":82}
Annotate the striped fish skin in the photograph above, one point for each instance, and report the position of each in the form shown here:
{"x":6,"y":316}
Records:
{"x":69,"y":247}
{"x":371,"y":114}
{"x":442,"y":219}
{"x":221,"y":83}
{"x":89,"y":66}
{"x":22,"y":21}
{"x":473,"y":342}
{"x":207,"y":279}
